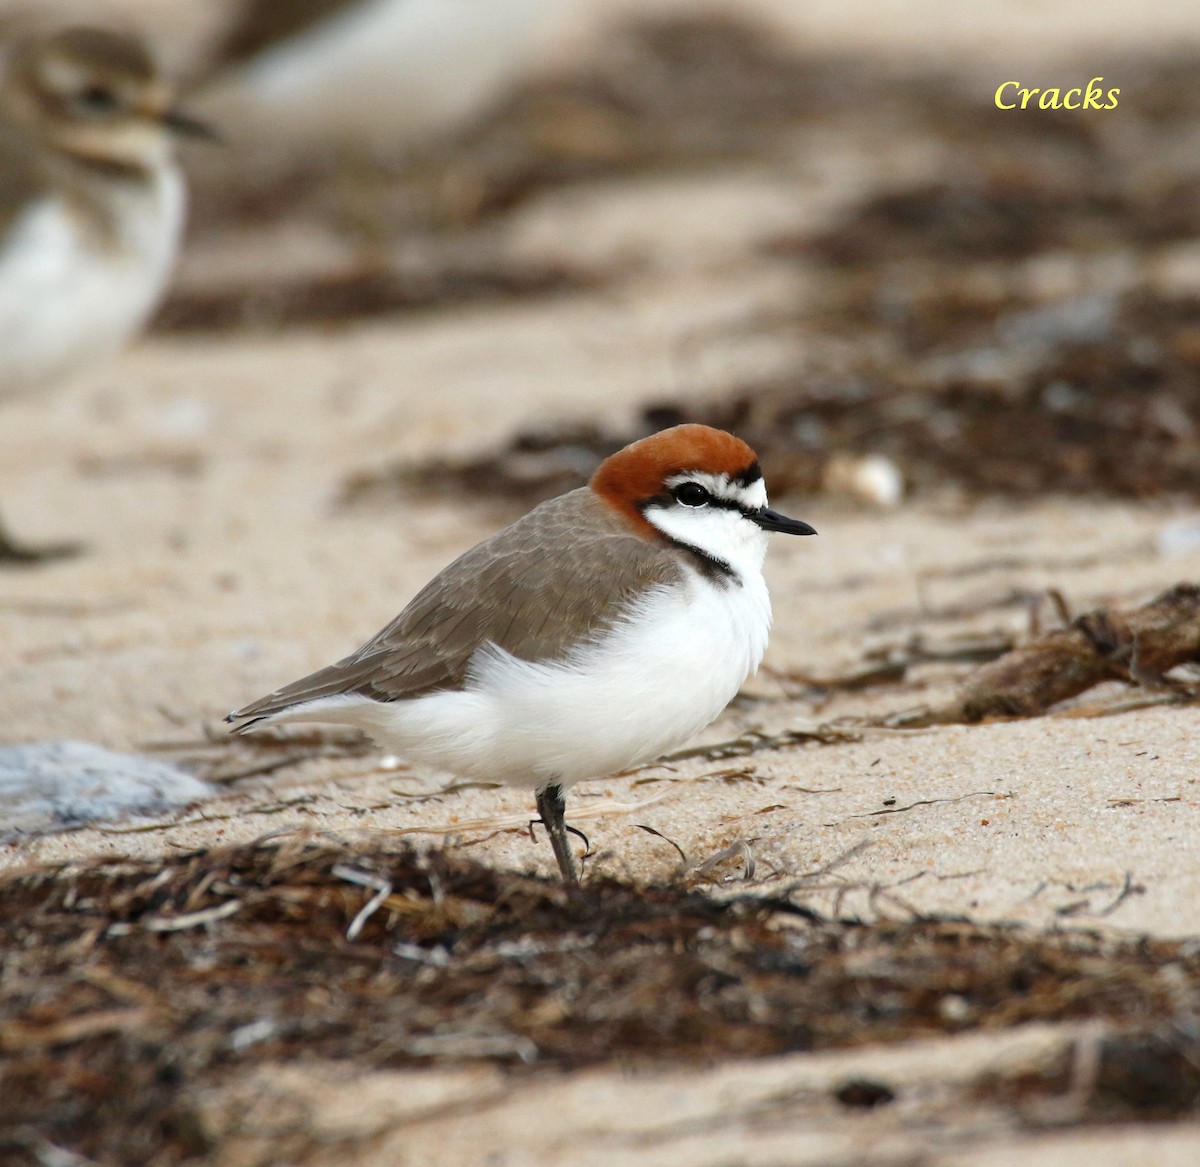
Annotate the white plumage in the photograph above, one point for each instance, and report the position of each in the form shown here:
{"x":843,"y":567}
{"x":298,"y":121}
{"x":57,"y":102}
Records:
{"x":73,"y":290}
{"x":656,"y":680}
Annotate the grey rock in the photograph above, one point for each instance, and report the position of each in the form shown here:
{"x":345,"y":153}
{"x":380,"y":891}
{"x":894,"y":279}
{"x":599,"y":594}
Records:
{"x":54,"y":786}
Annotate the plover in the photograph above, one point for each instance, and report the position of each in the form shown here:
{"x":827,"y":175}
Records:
{"x":91,"y":204}
{"x":601,"y":630}
{"x":374,"y":72}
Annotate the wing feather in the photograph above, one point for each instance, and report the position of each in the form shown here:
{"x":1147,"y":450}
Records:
{"x":553,"y":581}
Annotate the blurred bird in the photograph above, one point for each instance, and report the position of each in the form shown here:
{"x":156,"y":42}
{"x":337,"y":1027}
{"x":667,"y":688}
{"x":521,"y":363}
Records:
{"x":367,"y":72}
{"x":604,"y":628}
{"x":91,"y":206}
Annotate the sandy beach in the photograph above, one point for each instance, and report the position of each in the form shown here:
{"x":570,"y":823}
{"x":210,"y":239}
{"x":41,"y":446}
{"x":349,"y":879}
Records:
{"x":207,"y":473}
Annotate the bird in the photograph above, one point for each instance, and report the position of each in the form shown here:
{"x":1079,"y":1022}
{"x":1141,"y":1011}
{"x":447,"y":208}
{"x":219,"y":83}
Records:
{"x":604,"y":628}
{"x":381,"y":72}
{"x":91,"y":204}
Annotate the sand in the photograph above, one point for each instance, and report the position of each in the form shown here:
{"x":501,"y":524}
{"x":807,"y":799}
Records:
{"x":203,"y":475}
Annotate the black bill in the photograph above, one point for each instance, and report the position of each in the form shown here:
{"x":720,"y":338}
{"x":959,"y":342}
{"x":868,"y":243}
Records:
{"x":771,"y":520}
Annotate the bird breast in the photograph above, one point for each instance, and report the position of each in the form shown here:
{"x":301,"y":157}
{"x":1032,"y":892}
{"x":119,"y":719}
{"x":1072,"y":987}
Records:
{"x":652,"y":682}
{"x":77,"y":281}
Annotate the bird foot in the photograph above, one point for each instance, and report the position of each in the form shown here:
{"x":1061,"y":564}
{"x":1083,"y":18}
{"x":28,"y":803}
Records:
{"x":552,"y":805}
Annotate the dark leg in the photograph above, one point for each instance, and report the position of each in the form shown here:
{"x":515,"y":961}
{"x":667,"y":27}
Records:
{"x":13,"y":553}
{"x":552,"y":805}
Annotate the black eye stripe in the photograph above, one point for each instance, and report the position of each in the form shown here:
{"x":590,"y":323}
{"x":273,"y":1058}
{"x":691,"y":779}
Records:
{"x":725,"y":504}
{"x":699,"y":492}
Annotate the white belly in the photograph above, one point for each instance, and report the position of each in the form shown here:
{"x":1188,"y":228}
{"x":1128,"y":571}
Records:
{"x":67,"y":296}
{"x":645,"y":689}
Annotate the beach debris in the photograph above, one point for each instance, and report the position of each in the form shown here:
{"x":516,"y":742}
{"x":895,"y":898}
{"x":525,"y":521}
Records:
{"x":56,"y":786}
{"x":1139,"y":646}
{"x":143,"y":978}
{"x":871,"y":478}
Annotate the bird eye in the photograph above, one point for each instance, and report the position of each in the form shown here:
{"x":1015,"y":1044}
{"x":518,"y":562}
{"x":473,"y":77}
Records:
{"x":96,"y":99}
{"x":692,"y":494}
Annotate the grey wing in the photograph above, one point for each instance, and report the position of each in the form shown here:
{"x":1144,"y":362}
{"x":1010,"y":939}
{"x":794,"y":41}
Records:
{"x":548,"y":584}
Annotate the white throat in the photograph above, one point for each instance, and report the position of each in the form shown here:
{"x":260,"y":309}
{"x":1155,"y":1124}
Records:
{"x":720,"y":533}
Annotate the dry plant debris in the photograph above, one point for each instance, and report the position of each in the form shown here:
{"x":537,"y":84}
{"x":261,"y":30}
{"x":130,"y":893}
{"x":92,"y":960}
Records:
{"x":1139,"y":646}
{"x":371,"y":291}
{"x":1121,"y":1076}
{"x":131,"y":988}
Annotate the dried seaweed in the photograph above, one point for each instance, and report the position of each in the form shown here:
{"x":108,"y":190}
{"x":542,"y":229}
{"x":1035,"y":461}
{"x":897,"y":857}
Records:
{"x":1138,"y":646}
{"x":533,"y":465}
{"x":1111,"y":1077}
{"x":130,"y":989}
{"x":351,"y":295}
